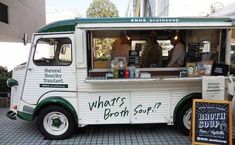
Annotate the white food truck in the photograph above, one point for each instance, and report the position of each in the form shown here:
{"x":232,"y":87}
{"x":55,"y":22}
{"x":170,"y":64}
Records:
{"x":71,"y":79}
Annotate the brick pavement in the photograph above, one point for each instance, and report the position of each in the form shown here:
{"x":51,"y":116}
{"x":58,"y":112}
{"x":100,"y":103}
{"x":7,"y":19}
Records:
{"x":21,"y":132}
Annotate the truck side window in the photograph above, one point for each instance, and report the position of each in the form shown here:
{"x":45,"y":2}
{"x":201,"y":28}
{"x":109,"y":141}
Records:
{"x":65,"y":53}
{"x":53,"y":52}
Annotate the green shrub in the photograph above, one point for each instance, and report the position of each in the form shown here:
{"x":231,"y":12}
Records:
{"x":4,"y":75}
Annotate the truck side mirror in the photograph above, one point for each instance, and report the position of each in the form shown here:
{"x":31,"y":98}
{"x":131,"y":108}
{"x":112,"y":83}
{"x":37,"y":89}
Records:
{"x":25,"y":39}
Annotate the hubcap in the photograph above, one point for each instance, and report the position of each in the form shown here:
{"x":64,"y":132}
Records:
{"x":55,"y":123}
{"x":187,"y":118}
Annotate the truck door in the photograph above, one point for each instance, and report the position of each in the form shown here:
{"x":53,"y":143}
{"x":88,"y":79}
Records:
{"x":51,"y":67}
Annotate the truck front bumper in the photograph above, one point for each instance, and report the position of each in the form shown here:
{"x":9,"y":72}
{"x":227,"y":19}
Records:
{"x":11,"y":114}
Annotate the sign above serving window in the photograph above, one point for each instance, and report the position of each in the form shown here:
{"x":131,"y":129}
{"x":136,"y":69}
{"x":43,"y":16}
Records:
{"x":155,"y":20}
{"x":69,"y":25}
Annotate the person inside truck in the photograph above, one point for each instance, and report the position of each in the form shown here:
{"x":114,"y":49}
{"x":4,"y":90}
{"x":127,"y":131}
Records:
{"x":178,"y":51}
{"x":121,"y":47}
{"x":152,"y":54}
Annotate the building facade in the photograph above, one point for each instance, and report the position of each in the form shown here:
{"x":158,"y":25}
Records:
{"x":185,"y":8}
{"x":19,"y":17}
{"x":227,"y":11}
{"x":141,"y":8}
{"x":174,"y":8}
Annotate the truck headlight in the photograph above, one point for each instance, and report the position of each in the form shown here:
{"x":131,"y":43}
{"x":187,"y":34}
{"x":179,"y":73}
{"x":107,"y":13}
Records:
{"x":11,"y":82}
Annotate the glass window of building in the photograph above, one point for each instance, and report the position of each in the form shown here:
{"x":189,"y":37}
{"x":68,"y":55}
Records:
{"x":3,"y":13}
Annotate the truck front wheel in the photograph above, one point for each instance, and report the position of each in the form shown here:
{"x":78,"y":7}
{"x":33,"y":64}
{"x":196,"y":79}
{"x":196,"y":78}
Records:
{"x":183,"y":118}
{"x":55,"y":122}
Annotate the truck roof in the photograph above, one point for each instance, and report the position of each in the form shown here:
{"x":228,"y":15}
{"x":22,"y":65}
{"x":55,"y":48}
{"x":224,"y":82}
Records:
{"x":70,"y":24}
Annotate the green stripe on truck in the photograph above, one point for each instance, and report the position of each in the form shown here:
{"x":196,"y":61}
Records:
{"x":25,"y":116}
{"x":57,"y":101}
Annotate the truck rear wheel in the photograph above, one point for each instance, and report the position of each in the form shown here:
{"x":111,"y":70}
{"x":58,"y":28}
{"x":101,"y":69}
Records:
{"x":183,"y":118}
{"x":55,"y":122}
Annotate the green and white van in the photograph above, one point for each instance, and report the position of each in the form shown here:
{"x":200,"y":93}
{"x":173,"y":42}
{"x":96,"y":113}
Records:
{"x":67,"y":81}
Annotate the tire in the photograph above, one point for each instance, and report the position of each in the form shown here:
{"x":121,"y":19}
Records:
{"x":183,"y":118}
{"x":55,"y":122}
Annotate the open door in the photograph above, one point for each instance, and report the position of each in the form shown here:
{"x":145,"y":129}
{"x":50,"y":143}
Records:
{"x":51,"y":67}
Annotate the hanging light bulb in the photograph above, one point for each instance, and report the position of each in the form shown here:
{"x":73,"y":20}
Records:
{"x":127,"y":37}
{"x":177,"y":35}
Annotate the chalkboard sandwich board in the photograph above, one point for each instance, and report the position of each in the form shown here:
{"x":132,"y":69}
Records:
{"x":211,"y":122}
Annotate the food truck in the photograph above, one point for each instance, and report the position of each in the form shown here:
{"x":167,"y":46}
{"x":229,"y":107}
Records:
{"x":78,"y":73}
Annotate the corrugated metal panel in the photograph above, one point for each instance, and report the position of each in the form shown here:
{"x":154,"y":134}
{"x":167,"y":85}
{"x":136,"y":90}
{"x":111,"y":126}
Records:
{"x":150,"y":106}
{"x":177,"y":95}
{"x":35,"y":77}
{"x":16,"y":91}
{"x":43,"y":79}
{"x":104,"y":108}
{"x":145,"y":105}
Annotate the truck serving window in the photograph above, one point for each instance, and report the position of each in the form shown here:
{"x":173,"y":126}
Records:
{"x":141,"y":48}
{"x":53,"y":52}
{"x":155,"y":48}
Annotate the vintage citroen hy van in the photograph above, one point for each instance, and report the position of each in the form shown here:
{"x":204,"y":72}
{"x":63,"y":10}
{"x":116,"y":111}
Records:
{"x":73,"y":76}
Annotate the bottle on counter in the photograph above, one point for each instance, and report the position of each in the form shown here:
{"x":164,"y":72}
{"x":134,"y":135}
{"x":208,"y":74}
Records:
{"x":126,"y":73}
{"x":132,"y":71}
{"x":115,"y":73}
{"x":120,"y":73}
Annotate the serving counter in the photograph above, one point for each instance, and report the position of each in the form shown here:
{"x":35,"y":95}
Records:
{"x":97,"y":76}
{"x":102,"y":80}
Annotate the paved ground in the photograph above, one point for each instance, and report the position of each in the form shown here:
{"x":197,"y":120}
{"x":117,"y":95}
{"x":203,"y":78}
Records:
{"x":21,"y":132}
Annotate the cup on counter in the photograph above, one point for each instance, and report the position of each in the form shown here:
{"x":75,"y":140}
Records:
{"x":137,"y":73}
{"x":109,"y":75}
{"x":191,"y":67}
{"x":183,"y":72}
